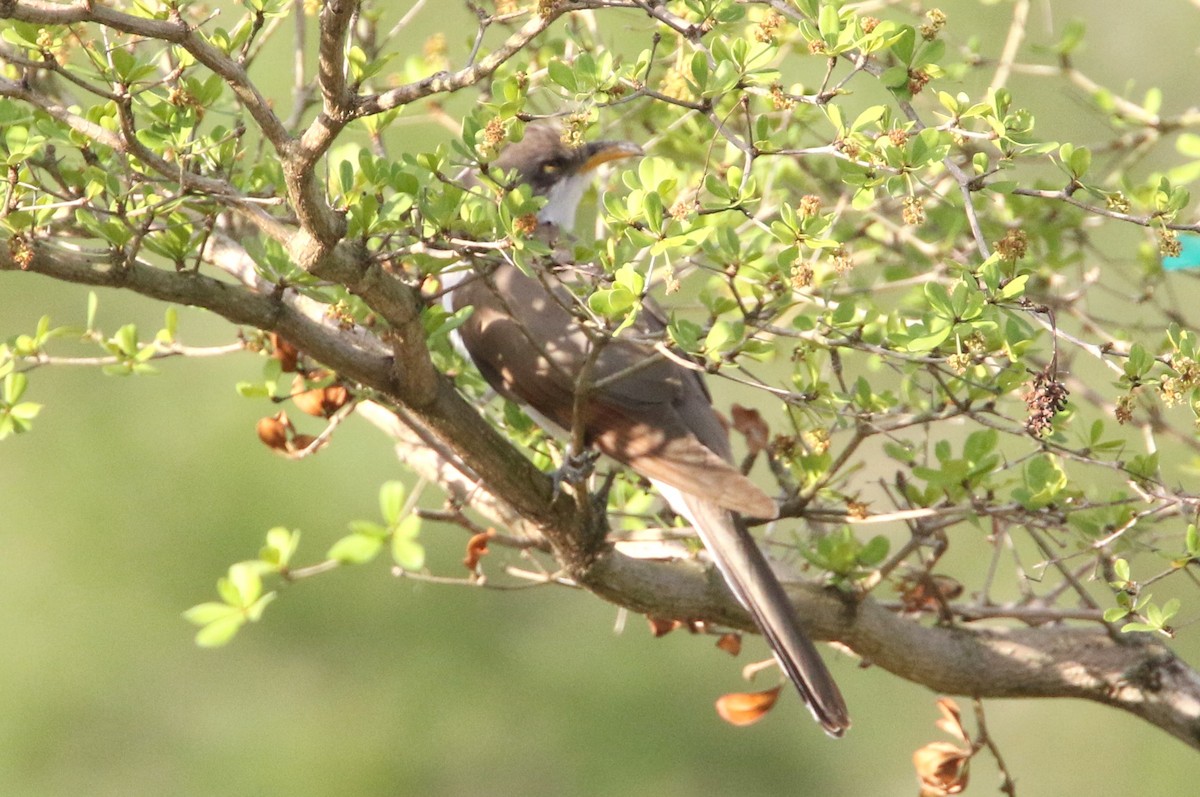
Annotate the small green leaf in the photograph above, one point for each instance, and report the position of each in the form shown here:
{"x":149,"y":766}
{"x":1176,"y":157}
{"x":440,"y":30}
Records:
{"x":406,"y":551}
{"x":255,"y":610}
{"x":1114,"y":614}
{"x":355,"y":549}
{"x":391,"y":501}
{"x":93,"y":304}
{"x":170,"y":326}
{"x":1121,"y":570}
{"x":722,"y":336}
{"x":219,"y":632}
{"x":205,"y":613}
{"x":281,"y":546}
{"x":562,"y":74}
{"x":253,"y":390}
{"x":14,"y":387}
{"x":1014,"y":288}
{"x":245,"y":579}
{"x":408,"y":554}
{"x":875,"y":551}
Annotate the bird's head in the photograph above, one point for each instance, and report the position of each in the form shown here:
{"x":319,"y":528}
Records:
{"x":558,"y":171}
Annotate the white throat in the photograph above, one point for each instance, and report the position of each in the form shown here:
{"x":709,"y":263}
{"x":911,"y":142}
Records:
{"x":562,"y":201}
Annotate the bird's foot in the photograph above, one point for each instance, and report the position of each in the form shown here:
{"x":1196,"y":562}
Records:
{"x":574,"y":469}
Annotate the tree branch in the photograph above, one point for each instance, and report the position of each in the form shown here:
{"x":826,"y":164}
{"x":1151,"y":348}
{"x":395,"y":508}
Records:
{"x":1130,"y":672}
{"x":175,"y":31}
{"x":355,"y":354}
{"x":446,"y":82}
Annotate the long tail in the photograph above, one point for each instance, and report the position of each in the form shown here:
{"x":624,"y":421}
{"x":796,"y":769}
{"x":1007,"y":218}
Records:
{"x":754,"y":584}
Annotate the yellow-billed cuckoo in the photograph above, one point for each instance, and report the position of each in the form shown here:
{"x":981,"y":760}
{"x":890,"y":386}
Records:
{"x":655,"y":416}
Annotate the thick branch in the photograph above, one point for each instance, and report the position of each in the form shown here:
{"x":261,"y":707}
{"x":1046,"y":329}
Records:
{"x":331,"y":61}
{"x":303,"y":186}
{"x":1132,"y":673}
{"x":357,"y":355}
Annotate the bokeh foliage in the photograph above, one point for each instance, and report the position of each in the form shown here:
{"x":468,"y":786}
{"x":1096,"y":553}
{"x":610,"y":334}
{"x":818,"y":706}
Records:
{"x":886,"y":255}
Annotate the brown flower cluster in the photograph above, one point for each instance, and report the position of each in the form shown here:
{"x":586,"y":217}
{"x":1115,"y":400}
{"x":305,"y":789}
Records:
{"x":810,"y":205}
{"x":768,"y":27}
{"x":779,"y":100}
{"x":917,"y":80}
{"x":1168,"y":243}
{"x":913,"y":211}
{"x":937,"y":21}
{"x":1013,"y":245}
{"x":1046,"y":398}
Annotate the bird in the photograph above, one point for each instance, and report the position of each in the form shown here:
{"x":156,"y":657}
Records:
{"x":649,"y":412}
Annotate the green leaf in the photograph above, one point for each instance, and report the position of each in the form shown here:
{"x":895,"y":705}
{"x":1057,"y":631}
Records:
{"x":1080,"y":162}
{"x":1014,"y":288}
{"x":205,"y":613}
{"x":932,"y":339}
{"x":980,"y":443}
{"x":126,"y":339}
{"x":256,"y":390}
{"x":406,"y":551}
{"x":939,"y":299}
{"x":1114,"y":614}
{"x":408,"y":554}
{"x":355,"y":549}
{"x":170,"y":326}
{"x":875,"y":551}
{"x":281,"y":546}
{"x":1169,"y":610}
{"x":93,"y":304}
{"x":562,"y":74}
{"x":699,"y":69}
{"x":722,"y":336}
{"x":391,"y":501}
{"x":829,"y":23}
{"x":14,"y":387}
{"x":1139,"y":362}
{"x":868,"y":117}
{"x":219,"y":632}
{"x":25,"y":411}
{"x":244,"y":578}
{"x":369,"y":529}
{"x":255,"y":610}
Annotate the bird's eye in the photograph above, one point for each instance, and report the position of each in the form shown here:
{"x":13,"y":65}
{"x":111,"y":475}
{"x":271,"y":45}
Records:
{"x":551,"y":168}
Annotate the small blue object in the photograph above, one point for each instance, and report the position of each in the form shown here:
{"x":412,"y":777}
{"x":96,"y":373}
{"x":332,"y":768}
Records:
{"x":1188,"y":257}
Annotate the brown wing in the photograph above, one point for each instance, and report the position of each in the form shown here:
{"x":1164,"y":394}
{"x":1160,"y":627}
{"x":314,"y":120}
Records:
{"x":656,"y":418}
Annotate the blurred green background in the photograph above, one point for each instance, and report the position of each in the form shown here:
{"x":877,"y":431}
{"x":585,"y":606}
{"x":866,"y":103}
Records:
{"x":131,"y":496}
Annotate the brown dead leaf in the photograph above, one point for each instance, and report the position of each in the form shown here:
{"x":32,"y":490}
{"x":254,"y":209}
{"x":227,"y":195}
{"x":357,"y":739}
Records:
{"x":320,"y":402}
{"x":746,"y":708}
{"x":857,"y":510}
{"x":730,"y":643}
{"x":929,"y":593}
{"x":750,"y":425}
{"x":951,"y":721}
{"x":308,"y":401}
{"x":661,"y":626}
{"x":477,"y":548}
{"x":273,"y":431}
{"x":285,"y":352}
{"x":942,"y":768}
{"x":301,"y":442}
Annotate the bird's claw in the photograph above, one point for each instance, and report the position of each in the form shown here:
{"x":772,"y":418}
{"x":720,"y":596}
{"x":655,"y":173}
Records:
{"x":574,"y":469}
